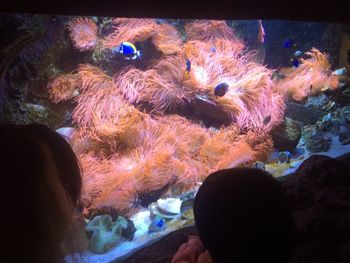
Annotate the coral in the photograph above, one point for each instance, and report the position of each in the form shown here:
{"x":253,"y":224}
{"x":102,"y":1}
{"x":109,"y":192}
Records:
{"x":63,"y":88}
{"x":83,"y":33}
{"x":105,"y":232}
{"x":309,"y":79}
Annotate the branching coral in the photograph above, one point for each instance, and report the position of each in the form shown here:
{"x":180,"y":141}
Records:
{"x":84,"y":33}
{"x":63,"y":88}
{"x":310,"y":78}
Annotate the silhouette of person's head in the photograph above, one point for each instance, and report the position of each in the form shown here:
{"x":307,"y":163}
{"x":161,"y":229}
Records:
{"x":41,"y":186}
{"x":242,"y":216}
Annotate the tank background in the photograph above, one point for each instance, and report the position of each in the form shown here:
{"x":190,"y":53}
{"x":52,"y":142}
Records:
{"x":324,"y":36}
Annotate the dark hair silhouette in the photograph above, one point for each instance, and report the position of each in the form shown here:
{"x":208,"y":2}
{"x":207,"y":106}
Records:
{"x":41,"y":186}
{"x":242,"y":216}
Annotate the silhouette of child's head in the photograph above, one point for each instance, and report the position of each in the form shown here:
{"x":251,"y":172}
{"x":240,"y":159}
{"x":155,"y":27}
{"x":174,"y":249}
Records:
{"x":242,"y":216}
{"x":41,"y":186}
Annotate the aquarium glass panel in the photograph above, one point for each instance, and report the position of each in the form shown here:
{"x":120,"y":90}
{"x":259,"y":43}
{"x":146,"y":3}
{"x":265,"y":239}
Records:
{"x":151,"y":107}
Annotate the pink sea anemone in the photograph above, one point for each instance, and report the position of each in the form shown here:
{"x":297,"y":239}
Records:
{"x":310,"y":78}
{"x":126,"y":153}
{"x":251,"y":97}
{"x":167,"y":39}
{"x":131,"y":30}
{"x":160,"y":86}
{"x":63,"y":88}
{"x":209,"y":30}
{"x":84,"y":33}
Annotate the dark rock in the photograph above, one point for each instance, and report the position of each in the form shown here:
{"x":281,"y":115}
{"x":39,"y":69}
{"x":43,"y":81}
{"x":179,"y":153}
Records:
{"x":129,"y":232}
{"x":344,"y":138}
{"x":306,"y":115}
{"x":164,"y":249}
{"x":319,"y":197}
{"x":318,"y":143}
{"x":150,"y":197}
{"x":287,"y":135}
{"x":208,"y":111}
{"x":344,"y":157}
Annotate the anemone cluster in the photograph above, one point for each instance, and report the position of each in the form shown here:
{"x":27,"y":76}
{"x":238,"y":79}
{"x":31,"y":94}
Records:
{"x":126,"y":152}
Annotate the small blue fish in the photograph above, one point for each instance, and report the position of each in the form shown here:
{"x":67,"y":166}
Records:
{"x":128,"y":50}
{"x":158,"y":224}
{"x":295,"y":62}
{"x":188,"y":67}
{"x":213,"y":49}
{"x":221,"y":89}
{"x":288,"y":43}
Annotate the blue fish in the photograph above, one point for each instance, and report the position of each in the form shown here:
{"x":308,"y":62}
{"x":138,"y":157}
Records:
{"x":221,"y":89}
{"x":128,"y":50}
{"x":288,"y":43}
{"x":295,"y":62}
{"x":160,"y":223}
{"x":188,"y":67}
{"x":213,"y":49}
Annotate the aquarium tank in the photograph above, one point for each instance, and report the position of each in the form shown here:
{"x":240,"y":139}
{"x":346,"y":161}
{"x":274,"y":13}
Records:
{"x":151,"y":107}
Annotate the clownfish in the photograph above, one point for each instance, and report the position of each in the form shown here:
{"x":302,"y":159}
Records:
{"x":128,"y":50}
